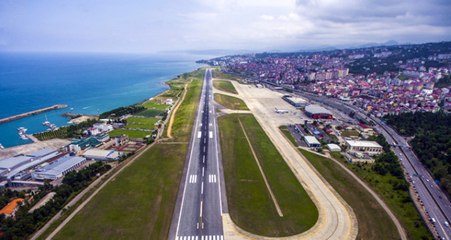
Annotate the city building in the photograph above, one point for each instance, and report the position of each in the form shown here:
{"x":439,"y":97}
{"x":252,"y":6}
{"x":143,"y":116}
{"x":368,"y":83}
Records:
{"x":318,"y":112}
{"x":101,"y":155}
{"x":369,"y":147}
{"x":312,"y":142}
{"x":58,"y":168}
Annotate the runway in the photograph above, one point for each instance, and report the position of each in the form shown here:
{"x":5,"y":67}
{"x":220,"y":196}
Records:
{"x":201,"y":198}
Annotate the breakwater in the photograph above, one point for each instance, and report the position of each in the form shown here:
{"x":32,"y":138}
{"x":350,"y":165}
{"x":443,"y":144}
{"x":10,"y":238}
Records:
{"x":31,"y":113}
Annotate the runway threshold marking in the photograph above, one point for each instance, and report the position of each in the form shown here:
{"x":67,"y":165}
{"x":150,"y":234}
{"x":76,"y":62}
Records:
{"x":205,"y":237}
{"x":212,"y":178}
{"x":193,"y":178}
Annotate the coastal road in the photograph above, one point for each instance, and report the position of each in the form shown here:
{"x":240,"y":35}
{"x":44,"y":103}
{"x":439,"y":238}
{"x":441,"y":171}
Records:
{"x":199,"y":208}
{"x":433,"y":200}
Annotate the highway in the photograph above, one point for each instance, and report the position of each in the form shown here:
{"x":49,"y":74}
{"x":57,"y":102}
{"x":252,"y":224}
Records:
{"x":199,"y":208}
{"x":433,"y":200}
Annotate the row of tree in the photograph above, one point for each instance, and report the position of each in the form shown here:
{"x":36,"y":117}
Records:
{"x":431,"y":141}
{"x":386,"y":162}
{"x":71,"y":131}
{"x":25,"y":223}
{"x":132,"y":109}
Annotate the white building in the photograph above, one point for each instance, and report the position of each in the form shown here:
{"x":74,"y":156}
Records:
{"x":101,"y":155}
{"x":333,"y":147}
{"x":58,"y":168}
{"x":369,"y":147}
{"x":312,"y":142}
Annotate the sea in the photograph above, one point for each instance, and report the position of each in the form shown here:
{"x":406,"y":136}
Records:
{"x":87,"y":83}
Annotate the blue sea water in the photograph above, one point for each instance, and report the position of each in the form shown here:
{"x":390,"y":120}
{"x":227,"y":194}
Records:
{"x":88,"y":83}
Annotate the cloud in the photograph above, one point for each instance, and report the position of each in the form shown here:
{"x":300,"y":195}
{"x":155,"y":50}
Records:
{"x":258,"y":25}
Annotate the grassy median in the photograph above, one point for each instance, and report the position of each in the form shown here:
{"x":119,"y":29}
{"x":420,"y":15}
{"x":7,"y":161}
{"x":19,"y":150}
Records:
{"x":225,"y":86}
{"x":250,"y":204}
{"x":139,"y":202}
{"x":230,"y":102}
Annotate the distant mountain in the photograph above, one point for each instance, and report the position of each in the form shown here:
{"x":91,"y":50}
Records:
{"x":388,"y":43}
{"x":212,"y":52}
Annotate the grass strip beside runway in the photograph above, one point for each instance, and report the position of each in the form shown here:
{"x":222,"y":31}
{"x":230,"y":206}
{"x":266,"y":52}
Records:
{"x":250,"y":204}
{"x":225,"y":86}
{"x":230,"y":102}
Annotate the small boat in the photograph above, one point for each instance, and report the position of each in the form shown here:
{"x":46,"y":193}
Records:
{"x":22,"y":133}
{"x":1,"y":146}
{"x":51,"y":126}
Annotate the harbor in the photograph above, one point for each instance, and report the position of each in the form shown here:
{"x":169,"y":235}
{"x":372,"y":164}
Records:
{"x":31,"y":113}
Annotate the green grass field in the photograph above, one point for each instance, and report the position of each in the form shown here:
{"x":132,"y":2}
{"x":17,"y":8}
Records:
{"x":217,"y":73}
{"x":230,"y":102}
{"x":153,"y":104}
{"x":129,"y":133}
{"x":250,"y":204}
{"x":181,"y":129}
{"x":150,"y":113}
{"x":225,"y":86}
{"x":143,"y":123}
{"x":373,"y":221}
{"x":139,"y":202}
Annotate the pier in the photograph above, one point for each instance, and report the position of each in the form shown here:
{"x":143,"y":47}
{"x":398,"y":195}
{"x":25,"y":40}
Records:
{"x":31,"y":113}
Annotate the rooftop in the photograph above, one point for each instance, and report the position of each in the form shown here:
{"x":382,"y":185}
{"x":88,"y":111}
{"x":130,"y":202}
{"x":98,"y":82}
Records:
{"x":11,"y":206}
{"x":101,"y":153}
{"x":41,"y":153}
{"x":316,"y":109}
{"x":62,"y":165}
{"x":359,"y":143}
{"x":311,"y":140}
{"x":13,"y":162}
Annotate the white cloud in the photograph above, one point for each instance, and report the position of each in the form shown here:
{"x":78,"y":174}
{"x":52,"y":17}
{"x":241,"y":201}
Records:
{"x":219,"y":24}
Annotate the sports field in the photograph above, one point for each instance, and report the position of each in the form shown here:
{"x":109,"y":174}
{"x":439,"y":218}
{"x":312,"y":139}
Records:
{"x":141,"y":123}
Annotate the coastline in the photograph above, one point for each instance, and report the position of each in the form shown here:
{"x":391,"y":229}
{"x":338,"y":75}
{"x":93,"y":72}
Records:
{"x":89,"y":84}
{"x":19,"y":148}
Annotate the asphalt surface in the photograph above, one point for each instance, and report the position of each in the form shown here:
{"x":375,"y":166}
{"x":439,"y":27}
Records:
{"x":433,"y":200}
{"x":200,"y":201}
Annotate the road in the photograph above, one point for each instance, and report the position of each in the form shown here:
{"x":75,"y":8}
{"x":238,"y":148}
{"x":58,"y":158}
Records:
{"x":433,"y":200}
{"x":200,"y":201}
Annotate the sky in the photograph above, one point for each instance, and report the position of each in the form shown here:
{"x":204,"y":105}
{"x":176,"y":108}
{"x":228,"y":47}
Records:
{"x":151,"y":26}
